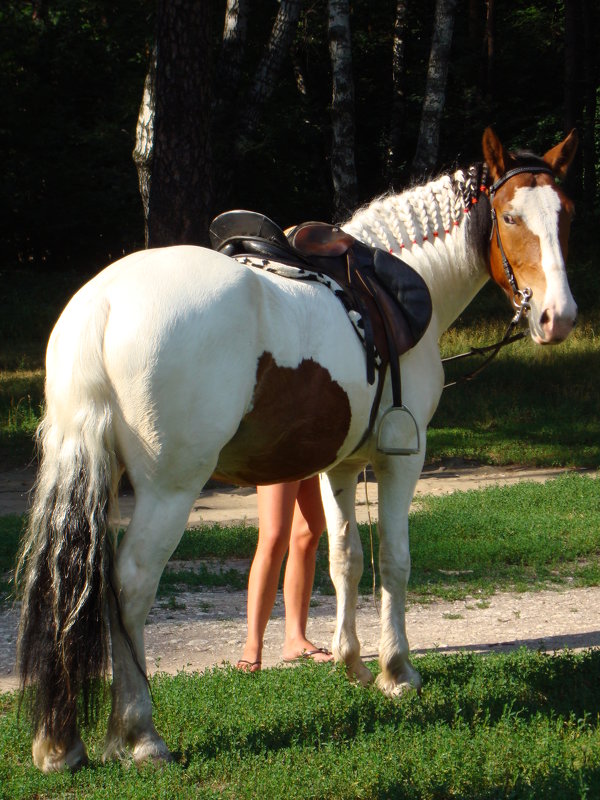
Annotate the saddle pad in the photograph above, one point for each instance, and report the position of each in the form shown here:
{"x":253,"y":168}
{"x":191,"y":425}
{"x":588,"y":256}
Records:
{"x":302,"y":274}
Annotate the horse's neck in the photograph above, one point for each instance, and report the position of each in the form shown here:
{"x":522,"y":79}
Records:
{"x":438,"y":230}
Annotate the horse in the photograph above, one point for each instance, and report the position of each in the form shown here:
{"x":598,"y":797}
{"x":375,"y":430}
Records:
{"x":177,"y":364}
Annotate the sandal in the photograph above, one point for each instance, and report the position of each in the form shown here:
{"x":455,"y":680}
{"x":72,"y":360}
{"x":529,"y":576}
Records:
{"x":310,"y":655}
{"x":248,"y":666}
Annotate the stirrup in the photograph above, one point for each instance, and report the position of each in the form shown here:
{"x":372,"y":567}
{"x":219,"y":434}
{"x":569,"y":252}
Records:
{"x":407,"y":421}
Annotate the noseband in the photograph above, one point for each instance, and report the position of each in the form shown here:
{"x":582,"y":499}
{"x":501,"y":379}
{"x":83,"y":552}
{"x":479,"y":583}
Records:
{"x":521,"y":297}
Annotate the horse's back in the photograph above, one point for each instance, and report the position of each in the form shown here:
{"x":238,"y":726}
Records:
{"x":195,"y":347}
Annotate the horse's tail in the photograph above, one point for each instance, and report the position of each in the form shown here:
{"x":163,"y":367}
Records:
{"x":63,"y":567}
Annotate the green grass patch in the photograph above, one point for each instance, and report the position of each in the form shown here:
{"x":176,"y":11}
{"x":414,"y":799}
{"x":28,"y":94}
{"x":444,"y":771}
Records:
{"x":21,"y":404}
{"x":533,"y":406}
{"x":522,"y":537}
{"x":11,"y":528}
{"x":523,"y":725}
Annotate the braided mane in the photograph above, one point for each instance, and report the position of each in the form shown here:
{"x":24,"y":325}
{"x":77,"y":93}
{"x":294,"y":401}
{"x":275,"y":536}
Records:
{"x":399,"y":222}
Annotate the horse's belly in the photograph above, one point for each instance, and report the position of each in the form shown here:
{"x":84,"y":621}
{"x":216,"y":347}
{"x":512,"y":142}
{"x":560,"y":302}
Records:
{"x":299,"y":420}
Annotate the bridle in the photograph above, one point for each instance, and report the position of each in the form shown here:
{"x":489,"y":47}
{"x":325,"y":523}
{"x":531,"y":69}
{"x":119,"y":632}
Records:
{"x":520,"y":298}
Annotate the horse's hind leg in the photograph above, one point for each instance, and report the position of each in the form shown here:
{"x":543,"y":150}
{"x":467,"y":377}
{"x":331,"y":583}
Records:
{"x":157,"y":525}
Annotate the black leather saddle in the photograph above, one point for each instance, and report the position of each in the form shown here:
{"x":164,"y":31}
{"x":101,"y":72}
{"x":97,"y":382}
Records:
{"x":392,"y":299}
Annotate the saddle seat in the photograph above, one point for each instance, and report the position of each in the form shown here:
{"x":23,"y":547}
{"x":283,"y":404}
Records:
{"x":392,"y":300}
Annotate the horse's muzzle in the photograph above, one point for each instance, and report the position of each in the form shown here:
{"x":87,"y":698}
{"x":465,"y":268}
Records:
{"x":553,"y":327}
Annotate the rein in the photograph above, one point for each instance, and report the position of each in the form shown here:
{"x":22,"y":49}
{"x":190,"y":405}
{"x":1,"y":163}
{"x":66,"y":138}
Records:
{"x":520,"y":298}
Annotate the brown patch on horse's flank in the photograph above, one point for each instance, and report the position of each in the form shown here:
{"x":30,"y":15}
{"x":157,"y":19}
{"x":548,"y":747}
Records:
{"x":299,"y":419}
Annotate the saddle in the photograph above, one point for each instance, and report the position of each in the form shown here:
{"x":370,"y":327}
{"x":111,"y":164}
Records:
{"x":391,"y":299}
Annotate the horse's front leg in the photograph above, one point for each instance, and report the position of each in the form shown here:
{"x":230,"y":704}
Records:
{"x":338,"y":490}
{"x":156,"y":527}
{"x":397,"y":478}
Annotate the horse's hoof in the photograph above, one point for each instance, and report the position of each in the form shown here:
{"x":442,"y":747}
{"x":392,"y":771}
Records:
{"x":114,"y":750}
{"x":360,"y":673}
{"x":152,"y":749}
{"x":49,"y":756}
{"x":394,"y":687}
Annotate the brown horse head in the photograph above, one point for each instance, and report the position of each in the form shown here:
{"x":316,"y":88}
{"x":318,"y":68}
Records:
{"x":531,"y":222}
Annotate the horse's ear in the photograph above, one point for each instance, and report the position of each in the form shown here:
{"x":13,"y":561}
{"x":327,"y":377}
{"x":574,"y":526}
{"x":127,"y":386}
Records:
{"x":495,"y":155}
{"x":561,"y":156}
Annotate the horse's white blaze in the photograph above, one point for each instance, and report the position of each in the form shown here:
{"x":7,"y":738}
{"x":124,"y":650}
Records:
{"x":553,"y":315}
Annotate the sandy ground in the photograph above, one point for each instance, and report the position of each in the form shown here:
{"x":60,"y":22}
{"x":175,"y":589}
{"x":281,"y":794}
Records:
{"x":203,"y":629}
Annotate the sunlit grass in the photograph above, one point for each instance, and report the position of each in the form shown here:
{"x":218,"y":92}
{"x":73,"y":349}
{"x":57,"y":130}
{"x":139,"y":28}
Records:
{"x":522,"y":725}
{"x":522,"y":537}
{"x":532,"y":406}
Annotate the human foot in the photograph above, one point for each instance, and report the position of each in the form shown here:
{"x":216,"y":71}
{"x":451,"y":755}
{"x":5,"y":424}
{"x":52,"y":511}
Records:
{"x":248,"y":666}
{"x":321,"y":655}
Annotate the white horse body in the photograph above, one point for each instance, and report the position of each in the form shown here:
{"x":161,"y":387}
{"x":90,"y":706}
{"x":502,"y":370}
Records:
{"x":180,"y":363}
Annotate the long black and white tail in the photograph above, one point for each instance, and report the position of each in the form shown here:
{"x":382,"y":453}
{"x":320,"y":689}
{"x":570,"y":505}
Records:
{"x":63,"y":566}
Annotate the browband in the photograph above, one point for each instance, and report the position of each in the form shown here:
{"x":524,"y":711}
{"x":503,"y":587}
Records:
{"x":517,"y":171}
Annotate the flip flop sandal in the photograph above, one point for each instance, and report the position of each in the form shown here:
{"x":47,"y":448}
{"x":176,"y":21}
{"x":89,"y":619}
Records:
{"x":247,"y":666}
{"x":308,"y":655}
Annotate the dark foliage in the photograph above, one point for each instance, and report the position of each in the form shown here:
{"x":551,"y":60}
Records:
{"x":71,"y":79}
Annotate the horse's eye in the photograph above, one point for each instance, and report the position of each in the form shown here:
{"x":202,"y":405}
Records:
{"x":509,"y":219}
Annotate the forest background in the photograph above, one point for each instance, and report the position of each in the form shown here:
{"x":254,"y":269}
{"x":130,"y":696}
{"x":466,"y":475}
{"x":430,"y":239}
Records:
{"x":72,"y":76}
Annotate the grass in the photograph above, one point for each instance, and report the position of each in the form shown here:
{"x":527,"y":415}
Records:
{"x":533,"y":406}
{"x":524,"y":537}
{"x":523,"y":725}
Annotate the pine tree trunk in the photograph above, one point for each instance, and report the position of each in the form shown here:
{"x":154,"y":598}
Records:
{"x":233,"y":46}
{"x":490,"y":42}
{"x":343,"y":168}
{"x":267,"y":74}
{"x":573,"y":96}
{"x":435,"y":92}
{"x":591,"y":19}
{"x":144,"y":141}
{"x":397,"y":112}
{"x":181,"y":190}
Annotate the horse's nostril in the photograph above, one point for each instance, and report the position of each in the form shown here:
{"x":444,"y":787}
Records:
{"x":545,"y":318}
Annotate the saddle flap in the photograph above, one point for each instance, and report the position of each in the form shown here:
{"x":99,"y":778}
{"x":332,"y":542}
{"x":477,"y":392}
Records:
{"x":408,"y":288}
{"x":320,"y":239}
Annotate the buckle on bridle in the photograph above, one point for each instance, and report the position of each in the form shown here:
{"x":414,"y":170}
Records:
{"x":520,"y":301}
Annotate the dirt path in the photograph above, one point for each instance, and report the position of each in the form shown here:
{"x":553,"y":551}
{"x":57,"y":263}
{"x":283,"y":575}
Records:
{"x":203,"y":629}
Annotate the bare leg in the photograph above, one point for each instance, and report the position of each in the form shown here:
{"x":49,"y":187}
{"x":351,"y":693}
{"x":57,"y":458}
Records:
{"x":276,"y":512}
{"x":307,"y":526}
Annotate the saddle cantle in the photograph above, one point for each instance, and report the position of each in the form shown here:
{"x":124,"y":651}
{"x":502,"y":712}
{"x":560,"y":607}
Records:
{"x":390,"y":297}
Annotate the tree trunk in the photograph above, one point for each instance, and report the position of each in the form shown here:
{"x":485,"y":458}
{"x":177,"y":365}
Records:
{"x":265,"y":80}
{"x":144,"y":141}
{"x":591,"y":73}
{"x":573,"y":96}
{"x":343,"y":168}
{"x":180,"y":197}
{"x":435,"y":92}
{"x":490,"y":46}
{"x":231,"y":56}
{"x":397,"y":112}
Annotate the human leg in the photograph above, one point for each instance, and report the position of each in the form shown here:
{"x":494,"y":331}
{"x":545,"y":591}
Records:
{"x":307,"y":526}
{"x":275,"y":512}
